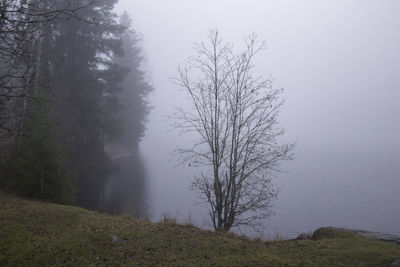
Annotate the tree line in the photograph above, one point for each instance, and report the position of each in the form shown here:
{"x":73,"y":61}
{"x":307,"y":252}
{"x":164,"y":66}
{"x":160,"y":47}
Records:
{"x":71,"y":82}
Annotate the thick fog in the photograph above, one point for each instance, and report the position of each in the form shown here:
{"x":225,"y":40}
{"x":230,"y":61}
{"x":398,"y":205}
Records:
{"x":339,"y":63}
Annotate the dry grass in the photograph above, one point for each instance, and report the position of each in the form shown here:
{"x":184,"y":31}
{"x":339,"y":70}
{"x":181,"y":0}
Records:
{"x":41,"y":234}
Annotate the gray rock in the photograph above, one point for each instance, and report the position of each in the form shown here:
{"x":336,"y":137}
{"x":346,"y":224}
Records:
{"x":369,"y":234}
{"x":396,"y":263}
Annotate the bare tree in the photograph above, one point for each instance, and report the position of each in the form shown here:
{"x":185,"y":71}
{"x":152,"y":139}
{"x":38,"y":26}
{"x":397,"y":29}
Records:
{"x":235,"y":116}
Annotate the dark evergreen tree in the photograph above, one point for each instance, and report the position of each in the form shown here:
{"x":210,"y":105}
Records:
{"x":135,"y":88}
{"x":38,"y":167}
{"x":127,"y":187}
{"x":21,"y":28}
{"x":85,"y":81}
{"x":78,"y":93}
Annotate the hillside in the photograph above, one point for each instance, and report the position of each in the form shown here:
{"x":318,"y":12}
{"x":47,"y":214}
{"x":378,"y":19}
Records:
{"x":41,"y":234}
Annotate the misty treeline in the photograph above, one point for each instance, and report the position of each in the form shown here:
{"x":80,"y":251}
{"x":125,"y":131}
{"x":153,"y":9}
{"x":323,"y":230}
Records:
{"x":71,"y":84}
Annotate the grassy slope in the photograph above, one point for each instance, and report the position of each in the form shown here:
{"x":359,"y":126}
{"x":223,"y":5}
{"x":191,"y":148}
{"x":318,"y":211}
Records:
{"x":37,"y":234}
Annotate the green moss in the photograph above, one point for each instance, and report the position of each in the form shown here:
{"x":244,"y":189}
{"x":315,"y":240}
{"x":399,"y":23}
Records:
{"x":41,"y":234}
{"x":329,"y":233}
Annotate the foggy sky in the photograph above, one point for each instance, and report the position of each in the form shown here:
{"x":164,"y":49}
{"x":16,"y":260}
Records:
{"x":339,"y":62}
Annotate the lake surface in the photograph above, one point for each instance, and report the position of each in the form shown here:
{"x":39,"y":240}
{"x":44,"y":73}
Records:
{"x":319,"y":188}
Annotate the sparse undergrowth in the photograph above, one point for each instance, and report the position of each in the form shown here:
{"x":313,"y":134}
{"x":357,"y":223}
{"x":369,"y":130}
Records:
{"x":41,"y":234}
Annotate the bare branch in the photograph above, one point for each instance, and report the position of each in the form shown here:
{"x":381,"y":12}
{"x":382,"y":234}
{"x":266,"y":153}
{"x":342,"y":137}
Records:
{"x":21,"y":31}
{"x":235,"y":116}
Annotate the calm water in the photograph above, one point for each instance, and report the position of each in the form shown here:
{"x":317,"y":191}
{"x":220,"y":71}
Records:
{"x":320,"y":188}
{"x":354,"y":191}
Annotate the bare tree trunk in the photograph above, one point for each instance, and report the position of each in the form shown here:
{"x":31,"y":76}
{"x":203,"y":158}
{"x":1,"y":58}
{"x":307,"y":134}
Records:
{"x":235,"y":116}
{"x":37,"y":44}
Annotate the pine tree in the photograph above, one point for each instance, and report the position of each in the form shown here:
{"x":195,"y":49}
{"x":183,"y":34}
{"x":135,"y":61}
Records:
{"x":127,"y":187}
{"x":38,"y":168}
{"x":78,"y":103}
{"x":135,"y":88}
{"x":84,"y":82}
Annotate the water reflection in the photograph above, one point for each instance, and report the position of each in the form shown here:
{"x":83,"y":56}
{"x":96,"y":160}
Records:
{"x":126,"y":189}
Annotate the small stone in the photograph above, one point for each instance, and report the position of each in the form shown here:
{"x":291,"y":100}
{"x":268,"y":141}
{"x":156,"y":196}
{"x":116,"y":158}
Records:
{"x":304,"y":236}
{"x":114,"y":238}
